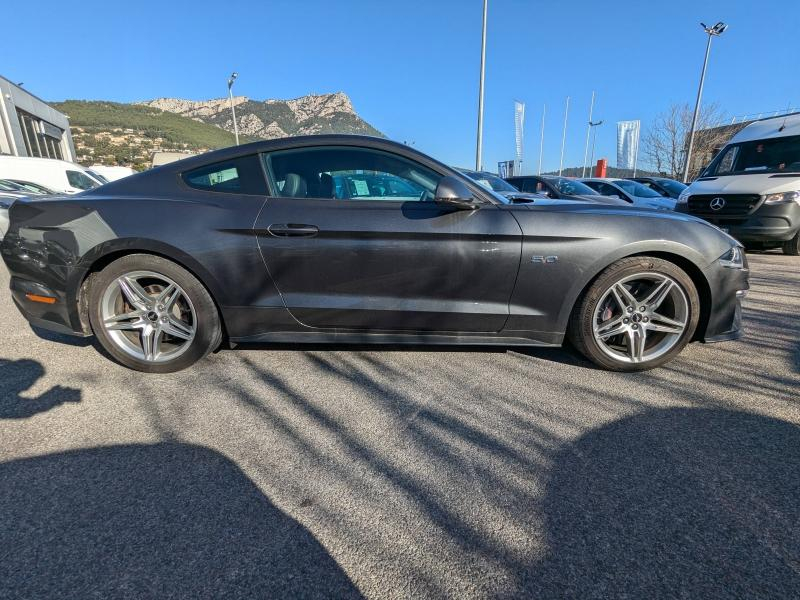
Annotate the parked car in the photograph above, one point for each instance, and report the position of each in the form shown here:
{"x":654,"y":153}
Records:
{"x":752,"y":187}
{"x":252,"y":243}
{"x":630,"y":191}
{"x":33,"y":187}
{"x":498,"y":185}
{"x":5,"y":202}
{"x":669,"y":188}
{"x":59,"y":175}
{"x":562,"y":188}
{"x":8,"y":188}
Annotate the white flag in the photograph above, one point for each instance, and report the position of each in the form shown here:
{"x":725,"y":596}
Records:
{"x":627,"y":144}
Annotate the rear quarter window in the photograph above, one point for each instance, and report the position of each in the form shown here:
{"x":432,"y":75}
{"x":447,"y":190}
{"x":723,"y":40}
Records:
{"x":242,"y":175}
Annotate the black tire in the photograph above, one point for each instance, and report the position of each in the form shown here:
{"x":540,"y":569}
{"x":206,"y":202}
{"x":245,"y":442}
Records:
{"x":208,"y":328}
{"x":581,"y":330}
{"x":792,"y":246}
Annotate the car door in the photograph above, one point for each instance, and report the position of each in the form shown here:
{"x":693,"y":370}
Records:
{"x":352,"y":239}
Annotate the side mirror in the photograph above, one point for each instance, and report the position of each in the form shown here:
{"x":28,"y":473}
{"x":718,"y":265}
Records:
{"x":453,"y":192}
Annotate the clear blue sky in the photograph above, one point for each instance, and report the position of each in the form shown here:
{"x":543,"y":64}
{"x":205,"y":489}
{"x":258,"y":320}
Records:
{"x":411,"y":66}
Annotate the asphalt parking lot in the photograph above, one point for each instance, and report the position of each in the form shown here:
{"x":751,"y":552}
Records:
{"x":405,"y":473}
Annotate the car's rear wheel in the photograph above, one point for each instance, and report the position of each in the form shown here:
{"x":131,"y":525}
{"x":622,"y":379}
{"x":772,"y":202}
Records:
{"x":152,"y":315}
{"x":792,"y":246}
{"x":638,"y":314}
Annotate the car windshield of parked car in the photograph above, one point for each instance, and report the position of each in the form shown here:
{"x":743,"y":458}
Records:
{"x":776,"y":155}
{"x":349,"y":173}
{"x":34,"y":187}
{"x":672,"y":186}
{"x":491,"y":182}
{"x":637,"y":189}
{"x":10,"y":186}
{"x":81,"y":181}
{"x":571,"y":187}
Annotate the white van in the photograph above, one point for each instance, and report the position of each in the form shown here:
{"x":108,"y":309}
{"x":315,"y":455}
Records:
{"x":58,"y":175}
{"x":752,"y":187}
{"x":112,"y":173}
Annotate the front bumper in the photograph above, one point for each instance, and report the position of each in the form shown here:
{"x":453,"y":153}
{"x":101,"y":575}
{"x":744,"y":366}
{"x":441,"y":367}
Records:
{"x":769,"y":223}
{"x":728,"y":288}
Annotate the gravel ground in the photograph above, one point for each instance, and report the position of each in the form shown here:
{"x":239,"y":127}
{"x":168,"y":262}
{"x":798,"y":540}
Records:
{"x":405,"y":473}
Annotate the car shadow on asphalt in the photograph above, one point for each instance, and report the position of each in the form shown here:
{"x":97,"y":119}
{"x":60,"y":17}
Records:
{"x":18,"y":376}
{"x":60,"y":338}
{"x":691,"y":503}
{"x":152,"y":521}
{"x":564,"y":355}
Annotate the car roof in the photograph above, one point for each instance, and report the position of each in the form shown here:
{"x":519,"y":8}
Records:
{"x":39,"y":160}
{"x":289,"y":143}
{"x":782,"y":126}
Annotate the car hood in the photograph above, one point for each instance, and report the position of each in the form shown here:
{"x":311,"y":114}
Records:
{"x":764,"y":183}
{"x":599,"y":199}
{"x":657,"y":203}
{"x":525,"y":196}
{"x":628,"y":210}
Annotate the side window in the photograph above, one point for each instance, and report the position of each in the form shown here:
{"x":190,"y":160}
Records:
{"x":607,"y":190}
{"x":528,"y":185}
{"x":81,"y":181}
{"x":347,"y":173}
{"x":237,"y":176}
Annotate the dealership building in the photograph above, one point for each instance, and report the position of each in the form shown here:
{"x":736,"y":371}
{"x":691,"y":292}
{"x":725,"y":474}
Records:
{"x":30,"y":127}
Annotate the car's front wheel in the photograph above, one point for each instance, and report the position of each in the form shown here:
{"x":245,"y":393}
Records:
{"x":792,"y":246}
{"x":638,"y":314}
{"x":152,"y":315}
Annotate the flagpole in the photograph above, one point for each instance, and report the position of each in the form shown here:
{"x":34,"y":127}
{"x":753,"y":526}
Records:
{"x":563,"y":138}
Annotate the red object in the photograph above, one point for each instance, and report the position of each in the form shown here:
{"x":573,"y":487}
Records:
{"x":600,"y":169}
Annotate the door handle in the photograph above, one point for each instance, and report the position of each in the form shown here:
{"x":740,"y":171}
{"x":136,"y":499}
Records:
{"x":292,"y":230}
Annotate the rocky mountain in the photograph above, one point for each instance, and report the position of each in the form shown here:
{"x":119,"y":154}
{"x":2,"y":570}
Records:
{"x":268,"y":119}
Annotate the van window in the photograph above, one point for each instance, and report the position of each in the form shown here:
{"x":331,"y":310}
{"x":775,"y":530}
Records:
{"x":81,"y":181}
{"x":774,"y":155}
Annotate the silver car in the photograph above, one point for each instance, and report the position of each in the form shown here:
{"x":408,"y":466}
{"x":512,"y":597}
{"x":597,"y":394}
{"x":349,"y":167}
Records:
{"x":632,"y":192}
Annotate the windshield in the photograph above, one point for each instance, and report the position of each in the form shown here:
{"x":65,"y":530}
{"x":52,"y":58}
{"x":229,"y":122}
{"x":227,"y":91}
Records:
{"x":776,"y":155}
{"x":491,"y":182}
{"x":571,"y":187}
{"x":637,"y":189}
{"x":672,"y":186}
{"x":100,"y":178}
{"x":10,"y":186}
{"x":80,"y":180}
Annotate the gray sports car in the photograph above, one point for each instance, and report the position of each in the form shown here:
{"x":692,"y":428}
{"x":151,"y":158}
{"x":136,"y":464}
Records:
{"x":336,"y":239}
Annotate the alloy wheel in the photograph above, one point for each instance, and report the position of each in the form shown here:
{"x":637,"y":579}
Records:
{"x":641,"y":317}
{"x":148,"y":316}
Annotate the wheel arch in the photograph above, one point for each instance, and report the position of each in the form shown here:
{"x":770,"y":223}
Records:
{"x":691,"y":268}
{"x":101,"y":256}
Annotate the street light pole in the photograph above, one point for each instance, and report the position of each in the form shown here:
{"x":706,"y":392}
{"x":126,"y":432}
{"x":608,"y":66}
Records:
{"x":588,"y":131}
{"x":231,"y":79}
{"x":594,"y":137}
{"x":479,"y":148}
{"x":717,"y":29}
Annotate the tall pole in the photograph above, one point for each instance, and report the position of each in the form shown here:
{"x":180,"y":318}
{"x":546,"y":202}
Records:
{"x":588,"y":131}
{"x":717,"y":29}
{"x":479,"y":146}
{"x":231,"y":79}
{"x":563,"y":138}
{"x":594,"y":137}
{"x":541,"y":140}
